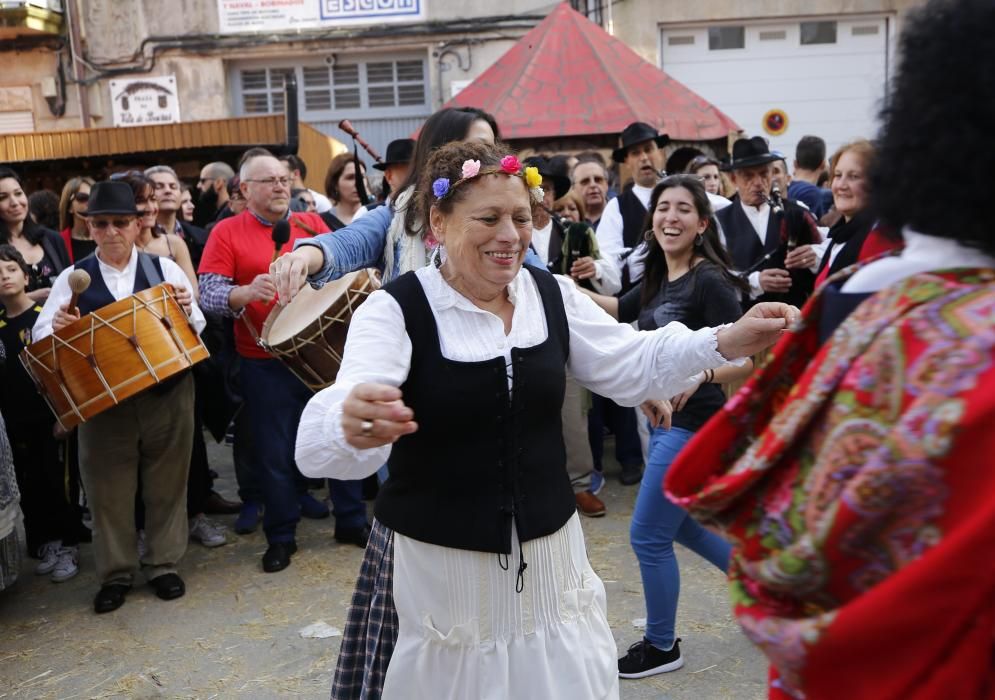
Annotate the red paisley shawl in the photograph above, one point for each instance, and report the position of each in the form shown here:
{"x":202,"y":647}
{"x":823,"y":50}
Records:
{"x":856,"y":481}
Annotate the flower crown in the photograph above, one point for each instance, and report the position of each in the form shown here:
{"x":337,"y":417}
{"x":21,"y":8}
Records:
{"x":510,"y":165}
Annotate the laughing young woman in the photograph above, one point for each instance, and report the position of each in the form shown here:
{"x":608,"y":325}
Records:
{"x":687,"y":279}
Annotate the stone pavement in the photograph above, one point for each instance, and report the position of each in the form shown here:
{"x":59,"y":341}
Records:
{"x":236,"y":632}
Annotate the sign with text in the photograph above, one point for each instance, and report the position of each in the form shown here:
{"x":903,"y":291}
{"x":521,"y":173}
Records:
{"x":282,"y":15}
{"x":145,"y":101}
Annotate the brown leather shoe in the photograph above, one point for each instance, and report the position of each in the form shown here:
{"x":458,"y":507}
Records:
{"x":590,"y":505}
{"x":216,"y":504}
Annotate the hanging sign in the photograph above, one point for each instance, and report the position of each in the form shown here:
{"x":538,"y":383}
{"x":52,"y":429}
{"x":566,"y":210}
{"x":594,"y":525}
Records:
{"x":145,"y":101}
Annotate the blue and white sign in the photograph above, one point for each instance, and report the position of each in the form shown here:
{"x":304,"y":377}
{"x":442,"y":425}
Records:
{"x":238,"y":16}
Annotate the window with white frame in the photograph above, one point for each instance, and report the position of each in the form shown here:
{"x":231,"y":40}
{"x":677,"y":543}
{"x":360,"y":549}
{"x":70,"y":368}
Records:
{"x":262,"y":90}
{"x":378,"y":86}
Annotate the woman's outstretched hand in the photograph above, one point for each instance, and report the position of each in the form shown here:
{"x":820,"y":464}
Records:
{"x":374,"y":415}
{"x":757,"y":330}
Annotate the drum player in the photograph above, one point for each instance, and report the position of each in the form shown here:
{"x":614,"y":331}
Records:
{"x":235,"y":281}
{"x":150,"y":433}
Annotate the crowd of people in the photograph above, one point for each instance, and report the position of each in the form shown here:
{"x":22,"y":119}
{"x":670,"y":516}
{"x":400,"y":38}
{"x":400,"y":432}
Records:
{"x":843,"y":483}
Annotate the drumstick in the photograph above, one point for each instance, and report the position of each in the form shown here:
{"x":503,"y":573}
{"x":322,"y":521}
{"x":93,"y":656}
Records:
{"x":281,"y":234}
{"x":79,"y":282}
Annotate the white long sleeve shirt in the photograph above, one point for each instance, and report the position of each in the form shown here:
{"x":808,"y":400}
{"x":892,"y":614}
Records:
{"x":120,"y":284}
{"x":609,"y":358}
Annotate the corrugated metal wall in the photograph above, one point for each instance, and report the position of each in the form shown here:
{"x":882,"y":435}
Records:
{"x":376,"y":132}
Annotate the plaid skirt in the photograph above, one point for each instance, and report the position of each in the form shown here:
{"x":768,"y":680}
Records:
{"x":371,"y":625}
{"x":10,"y":560}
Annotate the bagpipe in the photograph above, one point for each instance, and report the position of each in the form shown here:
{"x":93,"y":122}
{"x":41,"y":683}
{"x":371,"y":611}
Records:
{"x":795,"y":229}
{"x":579,"y":241}
{"x":357,"y":141}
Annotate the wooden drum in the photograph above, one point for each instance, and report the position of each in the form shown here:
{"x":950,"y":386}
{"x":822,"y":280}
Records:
{"x":309,"y":333}
{"x":113,"y":354}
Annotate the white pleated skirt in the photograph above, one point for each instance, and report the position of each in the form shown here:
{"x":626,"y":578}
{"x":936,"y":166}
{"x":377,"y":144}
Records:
{"x":465,"y":633}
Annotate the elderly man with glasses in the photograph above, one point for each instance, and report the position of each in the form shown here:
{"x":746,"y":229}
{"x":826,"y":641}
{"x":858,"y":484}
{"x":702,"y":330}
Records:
{"x":235,"y":281}
{"x":149,"y":434}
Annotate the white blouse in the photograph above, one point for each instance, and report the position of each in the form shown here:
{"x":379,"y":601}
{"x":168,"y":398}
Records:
{"x":609,"y":358}
{"x":922,"y":253}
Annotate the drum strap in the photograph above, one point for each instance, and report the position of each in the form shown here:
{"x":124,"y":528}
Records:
{"x":151,"y":274}
{"x":252,"y":331}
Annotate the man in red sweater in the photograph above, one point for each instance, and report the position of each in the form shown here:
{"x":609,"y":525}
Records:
{"x":235,"y":281}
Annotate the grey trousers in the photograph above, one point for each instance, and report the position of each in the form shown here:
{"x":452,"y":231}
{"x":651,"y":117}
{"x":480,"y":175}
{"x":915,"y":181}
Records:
{"x":150,"y":434}
{"x":580,"y":462}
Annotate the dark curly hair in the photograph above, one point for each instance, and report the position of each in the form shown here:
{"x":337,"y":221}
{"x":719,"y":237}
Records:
{"x":942,"y":103}
{"x":447,"y":161}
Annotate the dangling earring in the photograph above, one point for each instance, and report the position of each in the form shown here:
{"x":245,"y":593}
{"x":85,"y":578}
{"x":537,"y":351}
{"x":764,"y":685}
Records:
{"x":699,"y":240}
{"x":648,"y":236}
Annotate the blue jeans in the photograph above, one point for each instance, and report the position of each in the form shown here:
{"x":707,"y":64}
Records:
{"x":275,"y":400}
{"x":656,"y":524}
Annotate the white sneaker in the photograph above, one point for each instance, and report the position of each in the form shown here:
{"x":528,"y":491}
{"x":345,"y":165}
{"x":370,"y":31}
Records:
{"x":67,"y":565}
{"x":143,"y":547}
{"x":49,"y":554}
{"x":207,"y":532}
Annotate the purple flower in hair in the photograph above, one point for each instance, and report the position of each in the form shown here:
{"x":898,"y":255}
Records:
{"x":440,"y":187}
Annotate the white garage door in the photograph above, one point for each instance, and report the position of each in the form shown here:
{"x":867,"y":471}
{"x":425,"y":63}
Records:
{"x":827,"y":75}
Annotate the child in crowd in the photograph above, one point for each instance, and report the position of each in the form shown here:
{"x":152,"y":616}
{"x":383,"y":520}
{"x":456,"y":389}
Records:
{"x":40,"y":470}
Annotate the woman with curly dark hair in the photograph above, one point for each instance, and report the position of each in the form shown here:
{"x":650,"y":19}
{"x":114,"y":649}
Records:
{"x":41,"y":248}
{"x":482,"y":587}
{"x":855,"y":479}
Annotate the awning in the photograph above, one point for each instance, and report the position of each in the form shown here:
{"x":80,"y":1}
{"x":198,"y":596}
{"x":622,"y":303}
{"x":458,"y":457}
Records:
{"x":87,"y":143}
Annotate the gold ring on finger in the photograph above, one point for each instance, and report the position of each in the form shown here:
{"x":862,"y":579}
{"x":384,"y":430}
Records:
{"x":366,"y":428}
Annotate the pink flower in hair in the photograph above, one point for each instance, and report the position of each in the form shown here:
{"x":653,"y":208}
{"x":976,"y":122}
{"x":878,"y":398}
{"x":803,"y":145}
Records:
{"x":510,"y":165}
{"x":470,"y":168}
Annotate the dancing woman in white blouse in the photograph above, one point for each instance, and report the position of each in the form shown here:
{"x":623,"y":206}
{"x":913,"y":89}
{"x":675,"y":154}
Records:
{"x":456,"y":373}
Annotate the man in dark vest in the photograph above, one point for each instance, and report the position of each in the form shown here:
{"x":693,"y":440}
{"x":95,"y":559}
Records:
{"x":621,"y":227}
{"x":620,"y":231}
{"x":150,"y":434}
{"x":771,"y":244}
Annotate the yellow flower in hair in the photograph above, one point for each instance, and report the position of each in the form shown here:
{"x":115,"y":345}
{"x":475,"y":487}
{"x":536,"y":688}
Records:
{"x":532,"y":177}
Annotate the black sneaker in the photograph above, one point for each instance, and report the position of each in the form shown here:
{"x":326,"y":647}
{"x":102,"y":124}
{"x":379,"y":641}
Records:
{"x":631,"y":474}
{"x":644,"y":659}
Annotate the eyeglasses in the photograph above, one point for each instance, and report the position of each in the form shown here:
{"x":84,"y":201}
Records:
{"x":118,"y":224}
{"x":272,"y":181}
{"x":236,"y":197}
{"x":81,"y":197}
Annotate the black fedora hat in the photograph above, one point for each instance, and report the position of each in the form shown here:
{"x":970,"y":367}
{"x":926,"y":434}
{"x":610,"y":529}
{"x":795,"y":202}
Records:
{"x":398,"y":151}
{"x":111,"y":197}
{"x":561,"y":183}
{"x":638,"y":132}
{"x":747,"y":153}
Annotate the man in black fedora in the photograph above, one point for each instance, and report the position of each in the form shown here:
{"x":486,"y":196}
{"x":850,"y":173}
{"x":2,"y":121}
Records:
{"x":621,"y":226}
{"x":148,"y":435}
{"x":772,"y":245}
{"x":396,"y":164}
